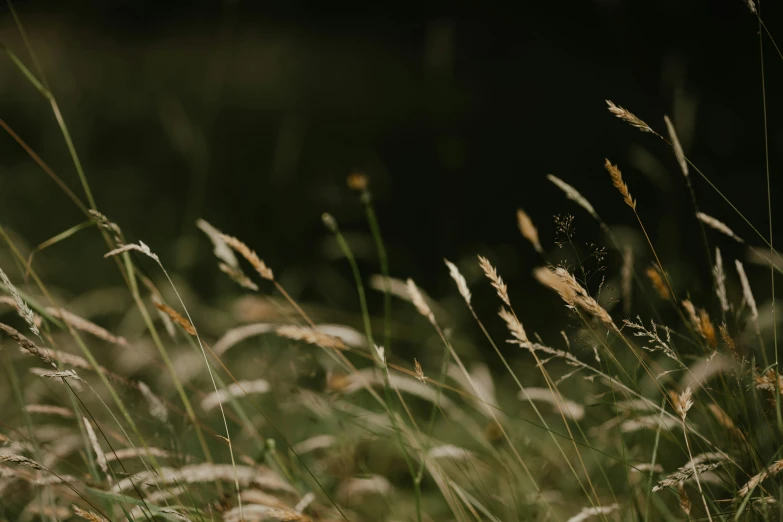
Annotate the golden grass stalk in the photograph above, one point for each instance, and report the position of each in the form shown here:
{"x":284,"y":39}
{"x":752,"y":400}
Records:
{"x":654,"y":275}
{"x":562,"y":282}
{"x":570,"y":409}
{"x":86,"y":326}
{"x":199,"y":473}
{"x":419,"y":371}
{"x":678,"y":152}
{"x":719,"y":226}
{"x":109,"y":226}
{"x":515,"y":328}
{"x":707,"y":329}
{"x":380,"y":352}
{"x":140,"y":247}
{"x":67,"y":374}
{"x":720,"y":281}
{"x":236,"y":389}
{"x":221,"y":250}
{"x":70,"y":359}
{"x":175,"y":316}
{"x":529,"y":230}
{"x":589,"y":512}
{"x":751,"y":5}
{"x":87,"y":515}
{"x":21,"y":306}
{"x":773,"y":469}
{"x":769,"y":381}
{"x":619,"y":184}
{"x":156,"y":407}
{"x":682,"y":404}
{"x":21,"y":460}
{"x":250,"y":255}
{"x":458,"y":278}
{"x":126,"y":453}
{"x":238,"y":276}
{"x":685,"y":473}
{"x":747,"y":293}
{"x":728,"y":340}
{"x":27,"y":345}
{"x":259,"y":513}
{"x":574,"y":195}
{"x":495,"y":279}
{"x":700,"y":320}
{"x":419,"y":302}
{"x":629,"y":117}
{"x":685,"y":501}
{"x":100,"y":457}
{"x":310,"y":336}
{"x":49,"y":409}
{"x":228,"y":261}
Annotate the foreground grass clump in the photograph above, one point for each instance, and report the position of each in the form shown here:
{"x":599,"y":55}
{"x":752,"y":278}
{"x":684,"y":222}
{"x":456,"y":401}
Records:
{"x":140,"y":403}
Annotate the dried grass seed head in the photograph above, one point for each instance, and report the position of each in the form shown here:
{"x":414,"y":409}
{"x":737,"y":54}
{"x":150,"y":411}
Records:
{"x":573,"y":194}
{"x":678,"y":152}
{"x":21,"y":306}
{"x":619,"y":184}
{"x":458,"y":278}
{"x":719,"y":226}
{"x":250,"y":255}
{"x":560,"y":280}
{"x":514,"y":326}
{"x":628,"y":117}
{"x":310,"y":336}
{"x":495,"y":279}
{"x":747,"y":293}
{"x":683,"y":402}
{"x":653,"y":273}
{"x":528,"y":230}
{"x":140,"y":247}
{"x":27,"y":345}
{"x":720,"y":281}
{"x":419,"y":302}
{"x":174,"y":316}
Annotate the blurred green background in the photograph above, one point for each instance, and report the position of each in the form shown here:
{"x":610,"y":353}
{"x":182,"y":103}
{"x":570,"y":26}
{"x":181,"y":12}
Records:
{"x":252,"y":116}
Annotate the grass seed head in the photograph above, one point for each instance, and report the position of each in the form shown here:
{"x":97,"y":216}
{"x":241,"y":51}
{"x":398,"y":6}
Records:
{"x":528,"y":230}
{"x":628,"y":117}
{"x":619,"y":184}
{"x":250,"y":255}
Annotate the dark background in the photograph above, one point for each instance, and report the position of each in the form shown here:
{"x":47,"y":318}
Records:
{"x":252,"y":117}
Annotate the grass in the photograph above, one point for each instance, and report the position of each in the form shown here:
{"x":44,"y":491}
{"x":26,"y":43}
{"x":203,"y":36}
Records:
{"x":164,"y":409}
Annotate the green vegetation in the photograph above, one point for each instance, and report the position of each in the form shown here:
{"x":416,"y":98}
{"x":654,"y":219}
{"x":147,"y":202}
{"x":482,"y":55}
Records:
{"x":140,"y":402}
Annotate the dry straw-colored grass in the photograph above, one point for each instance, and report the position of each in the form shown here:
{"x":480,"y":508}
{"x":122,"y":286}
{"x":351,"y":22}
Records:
{"x":529,"y":230}
{"x":90,"y":516}
{"x":175,"y":316}
{"x":574,"y":295}
{"x":310,"y":336}
{"x":495,"y":279}
{"x":653,"y":273}
{"x":619,"y":184}
{"x":628,"y":117}
{"x":86,"y":326}
{"x":678,"y":151}
{"x":719,"y":226}
{"x":250,"y":255}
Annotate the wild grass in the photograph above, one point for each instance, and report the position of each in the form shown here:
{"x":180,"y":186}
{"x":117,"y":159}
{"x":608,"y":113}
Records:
{"x":161,"y":411}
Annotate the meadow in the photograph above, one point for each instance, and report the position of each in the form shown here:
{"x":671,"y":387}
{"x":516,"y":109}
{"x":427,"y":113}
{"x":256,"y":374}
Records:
{"x":651,"y":395}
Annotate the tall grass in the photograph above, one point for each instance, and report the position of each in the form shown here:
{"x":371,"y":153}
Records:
{"x":164,"y":409}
